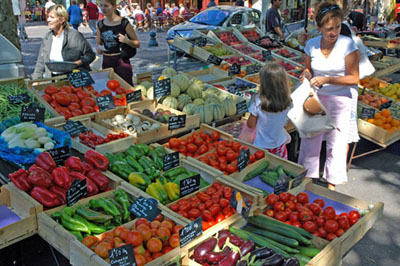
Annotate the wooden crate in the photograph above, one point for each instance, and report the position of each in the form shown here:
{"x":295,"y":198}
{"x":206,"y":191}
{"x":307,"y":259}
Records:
{"x":143,"y":137}
{"x":11,"y":197}
{"x":144,"y":76}
{"x":102,"y":76}
{"x":192,"y":121}
{"x":16,"y":81}
{"x":377,"y":134}
{"x":209,"y":75}
{"x":380,"y":42}
{"x":82,"y":255}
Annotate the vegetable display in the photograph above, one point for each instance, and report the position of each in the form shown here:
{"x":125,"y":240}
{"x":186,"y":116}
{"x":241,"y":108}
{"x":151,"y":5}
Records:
{"x":131,"y":123}
{"x":312,"y":217}
{"x":114,"y":88}
{"x":91,"y":139}
{"x":48,"y":183}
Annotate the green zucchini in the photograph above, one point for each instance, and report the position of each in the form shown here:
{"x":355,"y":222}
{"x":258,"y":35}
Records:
{"x":308,"y":251}
{"x":279,"y":170}
{"x":268,"y":180}
{"x":291,"y":174}
{"x":271,"y":235}
{"x":279,"y":230}
{"x":302,"y":259}
{"x":259,"y":170}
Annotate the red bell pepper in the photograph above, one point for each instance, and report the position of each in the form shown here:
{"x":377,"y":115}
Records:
{"x":46,"y":162}
{"x":99,"y":161}
{"x":19,"y":179}
{"x":61,"y":193}
{"x":74,"y":164}
{"x":92,"y":188}
{"x":99,"y":179}
{"x":39,"y":177}
{"x":61,"y":177}
{"x":45,"y":197}
{"x":88,"y":167}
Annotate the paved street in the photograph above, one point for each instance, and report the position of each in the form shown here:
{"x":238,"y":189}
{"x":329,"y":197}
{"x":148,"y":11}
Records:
{"x":372,"y":178}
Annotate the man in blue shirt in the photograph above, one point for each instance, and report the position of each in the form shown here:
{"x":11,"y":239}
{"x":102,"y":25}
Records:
{"x":273,"y":19}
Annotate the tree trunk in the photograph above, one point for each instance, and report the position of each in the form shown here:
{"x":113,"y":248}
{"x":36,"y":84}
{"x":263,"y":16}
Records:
{"x":8,"y":23}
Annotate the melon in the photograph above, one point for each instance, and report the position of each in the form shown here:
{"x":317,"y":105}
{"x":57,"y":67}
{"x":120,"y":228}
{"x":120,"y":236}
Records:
{"x":168,"y":72}
{"x":170,"y":102}
{"x":206,"y":115}
{"x":183,"y":100}
{"x":182,"y":81}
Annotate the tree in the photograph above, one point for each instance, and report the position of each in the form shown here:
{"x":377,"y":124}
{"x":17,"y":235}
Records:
{"x":8,"y":23}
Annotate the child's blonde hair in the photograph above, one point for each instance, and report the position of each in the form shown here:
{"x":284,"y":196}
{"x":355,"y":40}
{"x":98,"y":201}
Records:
{"x":274,"y":90}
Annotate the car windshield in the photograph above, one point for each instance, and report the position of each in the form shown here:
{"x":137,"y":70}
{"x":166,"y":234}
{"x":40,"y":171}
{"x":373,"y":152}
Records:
{"x":211,"y":17}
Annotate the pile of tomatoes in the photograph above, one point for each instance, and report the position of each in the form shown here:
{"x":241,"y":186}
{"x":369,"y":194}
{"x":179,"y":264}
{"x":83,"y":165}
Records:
{"x":91,"y":139}
{"x":150,"y":240}
{"x":220,"y":154}
{"x":299,"y":212}
{"x":69,"y":101}
{"x":113,"y":86}
{"x":212,"y":205}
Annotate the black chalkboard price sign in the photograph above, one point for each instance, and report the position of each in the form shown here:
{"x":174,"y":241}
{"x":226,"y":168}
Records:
{"x":74,"y":128}
{"x":77,"y":191}
{"x":267,"y":56}
{"x":243,"y":159}
{"x":234,"y":69}
{"x":190,"y":232}
{"x":241,"y":107}
{"x":19,"y":98}
{"x":145,"y":208}
{"x":60,"y":155}
{"x":80,"y":79}
{"x":200,"y":41}
{"x":385,"y":105}
{"x":212,"y":59}
{"x":177,"y":121}
{"x":135,"y":96}
{"x":122,"y":256}
{"x":32,"y":112}
{"x":105,"y":103}
{"x":282,"y":184}
{"x":189,"y":185}
{"x":252,"y":69}
{"x":298,"y":179}
{"x":171,"y":160}
{"x":367,"y":113}
{"x":162,"y":88}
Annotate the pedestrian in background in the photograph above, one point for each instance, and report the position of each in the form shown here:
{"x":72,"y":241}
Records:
{"x":273,"y":20}
{"x":239,"y":3}
{"x":75,"y":15}
{"x":48,"y":4}
{"x":93,"y":14}
{"x":211,"y":4}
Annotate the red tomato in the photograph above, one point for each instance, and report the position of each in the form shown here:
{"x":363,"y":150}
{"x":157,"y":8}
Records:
{"x":113,"y":84}
{"x":297,"y":224}
{"x":62,"y":98}
{"x":47,"y":98}
{"x":88,"y":102}
{"x":184,"y":214}
{"x":212,"y":156}
{"x":299,"y":207}
{"x":310,"y":226}
{"x":201,"y":207}
{"x":174,"y":143}
{"x":50,"y":90}
{"x":198,"y":141}
{"x":203,"y":149}
{"x":281,"y":216}
{"x":231,"y":156}
{"x":306,"y":215}
{"x":270,"y":213}
{"x":339,"y":232}
{"x":222,"y":159}
{"x":320,"y":221}
{"x":206,"y":215}
{"x":66,"y":89}
{"x":290,"y":205}
{"x":174,"y":207}
{"x":194,"y":213}
{"x":83,"y":94}
{"x":65,"y":113}
{"x":329,"y":213}
{"x":204,"y":160}
{"x":343,"y":222}
{"x":191,"y":147}
{"x":214,"y":164}
{"x":224,"y":203}
{"x":315,"y":208}
{"x":215,"y":136}
{"x":252,"y":158}
{"x":272,"y":199}
{"x":236,"y":147}
{"x":279,"y":206}
{"x":259,"y":155}
{"x":77,"y":112}
{"x":221,"y":150}
{"x":302,"y":197}
{"x":182,"y":149}
{"x":222,"y":166}
{"x":354,"y":214}
{"x":353,"y":221}
{"x":320,"y":202}
{"x":330,"y":236}
{"x":284,"y":197}
{"x":120,"y":91}
{"x":185,"y":206}
{"x":322,"y":232}
{"x":215,"y":209}
{"x":87,"y":109}
{"x":288,"y":211}
{"x":331,"y":226}
{"x":202,"y":135}
{"x":344,"y":214}
{"x":294,"y":217}
{"x":231,"y":168}
{"x":292,"y":198}
{"x":74,"y":98}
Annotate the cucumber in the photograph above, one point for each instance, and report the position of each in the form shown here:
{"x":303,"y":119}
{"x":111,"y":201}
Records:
{"x":292,"y":175}
{"x":258,"y":240}
{"x":259,"y":170}
{"x":277,"y":237}
{"x":279,"y":170}
{"x":302,"y":259}
{"x":268,"y":180}
{"x":300,"y":231}
{"x":273,"y":174}
{"x":261,"y":223}
{"x":308,"y":251}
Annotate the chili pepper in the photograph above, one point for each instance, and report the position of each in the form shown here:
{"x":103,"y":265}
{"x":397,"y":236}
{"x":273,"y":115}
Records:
{"x":74,"y":164}
{"x":45,"y":197}
{"x":161,"y":152}
{"x":123,"y":199}
{"x":118,"y":205}
{"x":91,"y":226}
{"x":158,"y":160}
{"x":172,"y":190}
{"x":122,"y":169}
{"x":92,"y":215}
{"x":146,"y":162}
{"x":144,"y":148}
{"x":60,"y":193}
{"x":99,"y":179}
{"x":137,"y":180}
{"x":19,"y":179}
{"x":91,"y":187}
{"x":107,"y":206}
{"x":77,"y":234}
{"x":46,"y":161}
{"x":71,"y":223}
{"x":99,"y":161}
{"x":153,"y":191}
{"x":247,"y":247}
{"x":133,"y":163}
{"x":61,"y":177}
{"x":87,"y":167}
{"x":39,"y":177}
{"x":214,"y":257}
{"x":135,"y":152}
{"x":56,"y":216}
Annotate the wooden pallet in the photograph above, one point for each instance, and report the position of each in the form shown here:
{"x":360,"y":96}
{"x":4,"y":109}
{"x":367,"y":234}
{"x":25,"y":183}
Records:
{"x":14,"y":199}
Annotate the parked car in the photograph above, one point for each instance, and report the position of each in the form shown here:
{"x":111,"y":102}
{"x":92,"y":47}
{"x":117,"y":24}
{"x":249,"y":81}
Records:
{"x":11,"y":65}
{"x":218,"y":16}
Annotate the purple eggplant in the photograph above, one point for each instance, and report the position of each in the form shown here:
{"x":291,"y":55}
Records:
{"x":230,"y":260}
{"x":247,"y":247}
{"x":214,"y":257}
{"x":222,"y":241}
{"x":237,"y":241}
{"x":224,"y":233}
{"x":291,"y":262}
{"x":262,"y":253}
{"x":242,"y":263}
{"x":274,"y":260}
{"x":201,"y":251}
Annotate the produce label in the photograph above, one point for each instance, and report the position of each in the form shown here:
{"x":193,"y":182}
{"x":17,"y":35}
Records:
{"x":240,"y":204}
{"x":241,"y":107}
{"x":282,"y":184}
{"x":212,"y":59}
{"x":243,"y":159}
{"x":32,"y":112}
{"x":60,"y":155}
{"x":171,"y":160}
{"x":190,"y":232}
{"x":122,"y":256}
{"x":234,"y":69}
{"x":145,"y":208}
{"x":162,"y":88}
{"x":298,"y":179}
{"x":20,"y":98}
{"x":74,"y":128}
{"x":236,"y":19}
{"x":189,"y":185}
{"x":200,"y":41}
{"x":175,"y":122}
{"x":367,"y":113}
{"x":252,"y":69}
{"x":385,"y":105}
{"x":135,"y":96}
{"x":267,"y":56}
{"x":77,"y":191}
{"x":105,"y":103}
{"x":80,"y":79}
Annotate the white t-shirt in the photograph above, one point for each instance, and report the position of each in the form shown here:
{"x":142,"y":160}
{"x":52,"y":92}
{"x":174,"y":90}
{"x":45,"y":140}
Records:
{"x":56,"y":48}
{"x":270,"y":126}
{"x":333,"y":66}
